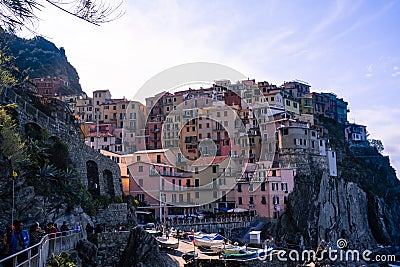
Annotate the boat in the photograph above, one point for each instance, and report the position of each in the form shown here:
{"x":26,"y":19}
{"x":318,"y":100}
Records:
{"x":240,"y":254}
{"x":189,"y":256}
{"x":154,"y":232}
{"x":167,"y":243}
{"x":227,"y":248}
{"x":151,"y":229}
{"x":207,"y":241}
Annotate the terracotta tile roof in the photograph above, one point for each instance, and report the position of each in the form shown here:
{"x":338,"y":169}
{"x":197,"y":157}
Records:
{"x":204,"y":161}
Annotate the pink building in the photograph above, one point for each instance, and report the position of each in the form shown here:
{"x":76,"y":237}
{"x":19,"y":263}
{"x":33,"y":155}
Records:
{"x":267,"y":196}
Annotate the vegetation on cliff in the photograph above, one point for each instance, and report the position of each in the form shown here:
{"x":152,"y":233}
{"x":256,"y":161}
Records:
{"x":38,"y":57}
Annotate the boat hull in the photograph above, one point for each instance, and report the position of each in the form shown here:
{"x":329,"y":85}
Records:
{"x":167,"y":243}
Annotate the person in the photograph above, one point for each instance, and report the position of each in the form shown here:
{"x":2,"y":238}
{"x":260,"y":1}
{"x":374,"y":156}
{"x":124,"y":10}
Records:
{"x":64,"y":228}
{"x":51,"y":230}
{"x":166,"y":233}
{"x":35,"y":235}
{"x":22,"y":240}
{"x":77,"y":227}
{"x":10,"y":244}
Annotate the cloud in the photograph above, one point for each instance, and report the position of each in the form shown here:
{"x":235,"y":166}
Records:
{"x":396,"y":71}
{"x":369,"y":70}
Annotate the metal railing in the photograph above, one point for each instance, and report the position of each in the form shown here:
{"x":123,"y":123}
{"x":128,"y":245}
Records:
{"x":38,"y":254}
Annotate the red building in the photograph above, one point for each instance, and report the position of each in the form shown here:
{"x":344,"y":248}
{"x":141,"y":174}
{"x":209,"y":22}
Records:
{"x":50,"y":86}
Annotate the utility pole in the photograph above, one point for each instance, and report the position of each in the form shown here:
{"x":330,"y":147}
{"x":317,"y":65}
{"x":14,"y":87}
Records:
{"x":97,"y":129}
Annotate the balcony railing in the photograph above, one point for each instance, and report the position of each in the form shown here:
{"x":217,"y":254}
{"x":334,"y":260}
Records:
{"x":170,"y":174}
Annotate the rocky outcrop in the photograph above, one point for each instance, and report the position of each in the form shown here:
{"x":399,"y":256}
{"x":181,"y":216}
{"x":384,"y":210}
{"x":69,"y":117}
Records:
{"x":325,"y":208}
{"x":87,"y":253}
{"x":142,"y":250}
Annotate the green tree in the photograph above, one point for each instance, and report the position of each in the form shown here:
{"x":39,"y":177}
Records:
{"x":377,"y":144}
{"x":12,"y":148}
{"x":7,"y":78}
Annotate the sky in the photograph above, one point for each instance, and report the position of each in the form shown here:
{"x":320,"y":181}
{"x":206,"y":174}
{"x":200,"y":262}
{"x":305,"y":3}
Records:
{"x":350,"y":48}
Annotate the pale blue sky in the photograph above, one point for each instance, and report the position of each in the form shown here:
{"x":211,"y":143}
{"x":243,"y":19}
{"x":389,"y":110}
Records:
{"x":350,"y":48}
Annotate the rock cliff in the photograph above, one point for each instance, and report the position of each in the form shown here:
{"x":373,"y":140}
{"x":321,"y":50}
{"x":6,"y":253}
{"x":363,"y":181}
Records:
{"x":142,"y":250}
{"x":361,"y":204}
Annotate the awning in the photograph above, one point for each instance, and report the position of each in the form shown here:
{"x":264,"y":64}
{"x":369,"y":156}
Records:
{"x":143,"y":212}
{"x":238,"y":210}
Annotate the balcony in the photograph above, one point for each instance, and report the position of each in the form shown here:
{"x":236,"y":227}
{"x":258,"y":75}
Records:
{"x":170,"y":174}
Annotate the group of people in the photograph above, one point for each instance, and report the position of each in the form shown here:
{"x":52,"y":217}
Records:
{"x":17,"y":239}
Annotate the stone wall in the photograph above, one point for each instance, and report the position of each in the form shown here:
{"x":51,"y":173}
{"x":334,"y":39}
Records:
{"x":79,"y":153}
{"x":114,"y":214}
{"x":110,"y":247}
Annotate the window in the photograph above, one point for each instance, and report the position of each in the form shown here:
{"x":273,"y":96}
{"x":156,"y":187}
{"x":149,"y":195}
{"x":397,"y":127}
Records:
{"x":173,"y":198}
{"x":275,"y":187}
{"x":288,"y":103}
{"x":91,"y":139}
{"x":123,"y":106}
{"x":200,"y":126}
{"x":200,"y":136}
{"x":215,"y":194}
{"x":137,"y":158}
{"x":196,"y":170}
{"x":275,"y":200}
{"x":197,"y":194}
{"x":196,"y":182}
{"x":140,"y":168}
{"x":284,"y":187}
{"x":214,"y":168}
{"x":250,"y":187}
{"x":105,"y":139}
{"x":180,"y":197}
{"x":240,"y":200}
{"x":263,"y":200}
{"x":218,"y":114}
{"x":285,"y":131}
{"x":263,"y":187}
{"x":225,"y":113}
{"x":294,"y":104}
{"x":251,"y":200}
{"x":208,"y":125}
{"x":239,"y":187}
{"x":285,"y":200}
{"x":272,"y":98}
{"x":140,"y":182}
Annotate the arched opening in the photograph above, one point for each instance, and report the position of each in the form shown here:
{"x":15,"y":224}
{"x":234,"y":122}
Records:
{"x":93,"y":178}
{"x":108,"y":178}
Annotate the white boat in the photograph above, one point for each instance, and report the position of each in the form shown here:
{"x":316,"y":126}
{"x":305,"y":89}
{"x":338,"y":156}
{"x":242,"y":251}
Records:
{"x":208,"y":241}
{"x":227,"y":248}
{"x":167,"y":243}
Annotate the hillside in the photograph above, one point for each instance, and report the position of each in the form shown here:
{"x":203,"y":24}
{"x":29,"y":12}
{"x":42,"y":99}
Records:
{"x":38,"y":57}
